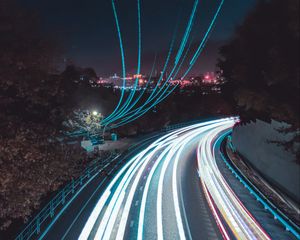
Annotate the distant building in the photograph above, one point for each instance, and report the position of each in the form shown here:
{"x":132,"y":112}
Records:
{"x":129,"y":80}
{"x":210,"y":78}
{"x":207,"y":83}
{"x":211,"y":83}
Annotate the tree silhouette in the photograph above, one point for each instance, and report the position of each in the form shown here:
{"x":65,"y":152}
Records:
{"x":261,"y":63}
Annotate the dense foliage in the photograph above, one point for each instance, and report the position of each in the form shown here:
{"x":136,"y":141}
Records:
{"x":261,"y":65}
{"x":33,"y":160}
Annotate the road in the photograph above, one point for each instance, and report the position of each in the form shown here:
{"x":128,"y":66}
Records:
{"x":172,"y":189}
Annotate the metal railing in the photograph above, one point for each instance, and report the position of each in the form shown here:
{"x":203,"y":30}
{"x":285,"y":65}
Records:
{"x":179,"y":125}
{"x":260,"y":197}
{"x":185,"y":124}
{"x":63,"y":197}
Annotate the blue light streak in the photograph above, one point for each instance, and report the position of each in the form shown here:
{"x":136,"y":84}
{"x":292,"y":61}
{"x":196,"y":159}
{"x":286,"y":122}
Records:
{"x":154,"y":94}
{"x":187,"y":32}
{"x":123,"y":109}
{"x":204,"y":40}
{"x":123,"y":60}
{"x":157,"y":85}
{"x":163,"y":87}
{"x":144,"y":89}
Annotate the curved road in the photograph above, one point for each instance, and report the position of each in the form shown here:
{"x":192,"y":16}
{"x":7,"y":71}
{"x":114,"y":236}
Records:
{"x":174,"y":189}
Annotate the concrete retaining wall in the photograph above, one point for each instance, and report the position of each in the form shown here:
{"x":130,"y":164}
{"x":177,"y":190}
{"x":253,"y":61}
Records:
{"x":276,"y":164}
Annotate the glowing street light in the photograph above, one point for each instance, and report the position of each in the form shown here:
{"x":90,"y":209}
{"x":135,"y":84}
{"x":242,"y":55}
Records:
{"x":95,"y":113}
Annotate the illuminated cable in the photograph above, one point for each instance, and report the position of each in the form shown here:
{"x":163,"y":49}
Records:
{"x":154,"y":94}
{"x":132,"y":93}
{"x":122,"y":58}
{"x":135,"y":114}
{"x":204,"y":40}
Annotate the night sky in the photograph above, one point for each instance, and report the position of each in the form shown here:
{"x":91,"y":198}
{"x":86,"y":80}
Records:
{"x":86,"y":29}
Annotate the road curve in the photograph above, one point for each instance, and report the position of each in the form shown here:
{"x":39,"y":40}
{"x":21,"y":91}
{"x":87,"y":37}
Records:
{"x":173,"y":189}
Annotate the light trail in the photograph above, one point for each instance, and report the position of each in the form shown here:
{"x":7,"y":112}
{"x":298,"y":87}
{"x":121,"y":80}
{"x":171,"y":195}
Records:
{"x":140,"y":111}
{"x":204,"y":40}
{"x":153,"y":93}
{"x":145,"y":194}
{"x":99,"y":207}
{"x":136,"y":161}
{"x":143,"y":91}
{"x":163,"y":93}
{"x":183,"y":59}
{"x":240,"y":221}
{"x":122,"y":59}
{"x":126,"y":108}
{"x":195,"y":57}
{"x":187,"y":32}
{"x":124,"y":112}
{"x":184,"y":40}
{"x":157,"y":195}
{"x":123,"y":109}
{"x":117,"y":208}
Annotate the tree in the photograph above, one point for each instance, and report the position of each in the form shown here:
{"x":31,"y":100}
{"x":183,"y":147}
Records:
{"x":84,"y":123}
{"x":261,"y":63}
{"x":262,"y":59}
{"x":33,"y":162}
{"x":25,"y":55}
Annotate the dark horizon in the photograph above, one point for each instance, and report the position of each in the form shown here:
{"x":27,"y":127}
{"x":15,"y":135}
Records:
{"x":88,"y":34}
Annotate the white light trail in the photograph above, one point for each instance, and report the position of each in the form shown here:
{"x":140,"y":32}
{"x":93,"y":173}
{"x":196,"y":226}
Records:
{"x":218,"y":192}
{"x":100,"y":205}
{"x":145,"y":193}
{"x":162,"y":158}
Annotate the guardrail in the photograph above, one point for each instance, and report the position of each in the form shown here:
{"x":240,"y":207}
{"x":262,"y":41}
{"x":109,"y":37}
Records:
{"x":260,"y":197}
{"x":185,"y":124}
{"x":63,"y":196}
{"x":179,"y":125}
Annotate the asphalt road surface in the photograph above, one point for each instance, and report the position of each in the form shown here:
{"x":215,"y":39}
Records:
{"x":170,"y":187}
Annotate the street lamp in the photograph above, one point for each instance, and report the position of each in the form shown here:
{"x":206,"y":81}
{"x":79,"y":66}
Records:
{"x":95,"y":113}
